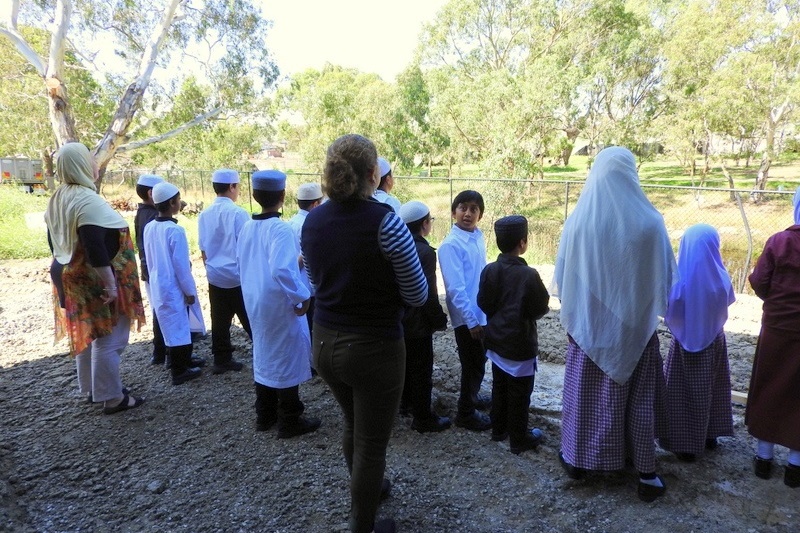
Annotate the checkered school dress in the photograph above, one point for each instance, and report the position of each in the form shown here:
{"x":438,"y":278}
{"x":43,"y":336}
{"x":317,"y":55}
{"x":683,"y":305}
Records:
{"x":603,"y":422}
{"x":698,"y":396}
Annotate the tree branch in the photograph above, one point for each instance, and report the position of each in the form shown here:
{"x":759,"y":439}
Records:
{"x":8,"y":27}
{"x":199,"y":119}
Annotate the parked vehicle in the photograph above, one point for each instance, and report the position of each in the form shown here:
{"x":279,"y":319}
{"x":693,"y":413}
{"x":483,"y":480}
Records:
{"x":23,"y":172}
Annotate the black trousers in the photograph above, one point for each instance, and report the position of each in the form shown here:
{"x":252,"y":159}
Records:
{"x":511,"y":398}
{"x":418,"y":384}
{"x":225,"y":303}
{"x":283,"y":405}
{"x":180,"y":358}
{"x":159,"y":347}
{"x":472,"y":356}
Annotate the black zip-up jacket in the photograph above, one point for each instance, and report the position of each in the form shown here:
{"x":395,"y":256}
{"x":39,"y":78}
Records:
{"x":513,"y":297}
{"x":421,"y":322}
{"x":144,"y":214}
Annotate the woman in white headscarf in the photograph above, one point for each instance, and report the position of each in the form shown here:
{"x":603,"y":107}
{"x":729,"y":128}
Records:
{"x":773,"y":401}
{"x":614,"y":269}
{"x":96,"y":285}
{"x":696,"y":370}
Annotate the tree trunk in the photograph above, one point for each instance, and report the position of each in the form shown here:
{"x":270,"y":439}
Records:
{"x":49,"y":174}
{"x":60,"y":111}
{"x":727,"y":174}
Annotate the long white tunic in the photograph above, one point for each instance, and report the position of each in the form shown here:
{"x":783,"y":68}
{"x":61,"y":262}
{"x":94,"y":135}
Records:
{"x":167,"y":252}
{"x":272,"y":287}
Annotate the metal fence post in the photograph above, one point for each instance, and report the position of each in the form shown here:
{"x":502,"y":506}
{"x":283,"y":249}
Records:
{"x":566,"y":200}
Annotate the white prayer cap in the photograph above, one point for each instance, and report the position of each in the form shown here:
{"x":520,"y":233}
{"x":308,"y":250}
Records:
{"x":384,"y":166}
{"x":163,"y":192}
{"x":309,"y":191}
{"x":269,"y":180}
{"x":413,"y":211}
{"x":225,"y":175}
{"x":149,"y":180}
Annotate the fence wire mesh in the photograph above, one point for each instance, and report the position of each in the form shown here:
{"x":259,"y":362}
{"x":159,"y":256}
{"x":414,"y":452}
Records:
{"x":743,"y":224}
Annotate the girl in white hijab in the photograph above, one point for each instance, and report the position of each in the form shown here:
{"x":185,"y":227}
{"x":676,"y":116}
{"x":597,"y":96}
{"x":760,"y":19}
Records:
{"x":696,"y":370}
{"x":96,"y":284}
{"x":614,"y":269}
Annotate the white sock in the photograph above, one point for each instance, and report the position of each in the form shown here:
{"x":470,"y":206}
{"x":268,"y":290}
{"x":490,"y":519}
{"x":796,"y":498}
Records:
{"x":766,"y":450}
{"x":794,"y":457}
{"x":656,"y":481}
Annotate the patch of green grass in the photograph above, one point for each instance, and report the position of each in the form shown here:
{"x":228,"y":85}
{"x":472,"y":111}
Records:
{"x":17,"y":240}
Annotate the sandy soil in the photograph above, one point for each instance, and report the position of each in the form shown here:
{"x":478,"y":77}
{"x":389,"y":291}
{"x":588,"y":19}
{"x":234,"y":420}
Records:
{"x":190,"y":460}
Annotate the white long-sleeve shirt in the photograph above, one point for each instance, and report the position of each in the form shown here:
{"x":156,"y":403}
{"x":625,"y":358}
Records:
{"x":462,"y":256}
{"x":218,"y":230}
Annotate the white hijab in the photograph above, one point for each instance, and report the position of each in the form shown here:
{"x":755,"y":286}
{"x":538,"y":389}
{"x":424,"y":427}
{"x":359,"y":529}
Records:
{"x":76,"y":202}
{"x":698,"y":302}
{"x":614,"y":267}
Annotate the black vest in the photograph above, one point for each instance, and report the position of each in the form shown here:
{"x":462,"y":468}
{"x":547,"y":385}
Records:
{"x":356,"y":289}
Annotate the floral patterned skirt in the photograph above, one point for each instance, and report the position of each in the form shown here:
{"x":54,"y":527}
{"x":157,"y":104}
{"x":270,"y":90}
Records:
{"x":84,"y":316}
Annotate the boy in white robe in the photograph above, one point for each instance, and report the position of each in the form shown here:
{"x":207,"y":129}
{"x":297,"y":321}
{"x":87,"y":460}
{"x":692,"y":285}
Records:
{"x":276,"y":298}
{"x":172,"y":287}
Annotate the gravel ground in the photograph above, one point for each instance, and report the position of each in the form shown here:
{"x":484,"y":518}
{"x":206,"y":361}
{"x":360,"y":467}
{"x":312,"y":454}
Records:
{"x":190,"y":460}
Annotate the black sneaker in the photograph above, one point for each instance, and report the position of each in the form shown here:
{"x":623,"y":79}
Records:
{"x":499,"y":436}
{"x":198,"y":362}
{"x":158,"y":359}
{"x":483,"y":402}
{"x":648,"y":493}
{"x":266,"y":423}
{"x":762,"y":467}
{"x":791,"y":476}
{"x":531,"y":441}
{"x":477,"y":421}
{"x":221,"y":368}
{"x":434,"y":424}
{"x":386,"y":489}
{"x":384,"y":525}
{"x":300,"y":427}
{"x":573,"y":472}
{"x":187,"y":375}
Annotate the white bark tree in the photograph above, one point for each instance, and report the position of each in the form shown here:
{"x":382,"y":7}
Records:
{"x":143,"y":33}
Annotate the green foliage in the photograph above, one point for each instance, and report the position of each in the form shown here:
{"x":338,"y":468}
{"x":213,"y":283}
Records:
{"x":24,"y":124}
{"x":227,"y":142}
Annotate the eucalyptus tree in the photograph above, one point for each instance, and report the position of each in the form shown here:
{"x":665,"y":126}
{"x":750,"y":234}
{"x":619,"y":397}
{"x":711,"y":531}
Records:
{"x":335,"y":101}
{"x":223,"y":39}
{"x":492,"y":80}
{"x":771,"y":73}
{"x":702,"y":37}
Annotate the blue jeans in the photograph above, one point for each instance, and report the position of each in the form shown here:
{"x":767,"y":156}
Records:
{"x":365,"y":375}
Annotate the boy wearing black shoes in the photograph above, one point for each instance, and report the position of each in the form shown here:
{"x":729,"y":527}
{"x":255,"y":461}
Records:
{"x":218,"y":229}
{"x":513,"y":297}
{"x":419,"y":323}
{"x":276,"y":298}
{"x":171,"y":283}
{"x":146,"y":213}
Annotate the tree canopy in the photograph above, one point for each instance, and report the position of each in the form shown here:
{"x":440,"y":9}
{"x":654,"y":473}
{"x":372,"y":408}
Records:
{"x":221,"y":40}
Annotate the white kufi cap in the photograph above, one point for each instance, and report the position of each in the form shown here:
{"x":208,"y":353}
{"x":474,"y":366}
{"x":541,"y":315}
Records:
{"x":309,"y":191}
{"x":149,"y":180}
{"x":383,"y":167}
{"x":413,"y":211}
{"x":163,"y":192}
{"x":225,"y":175}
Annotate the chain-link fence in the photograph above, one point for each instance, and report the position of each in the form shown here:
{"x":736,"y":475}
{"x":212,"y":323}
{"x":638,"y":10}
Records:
{"x":743,"y":224}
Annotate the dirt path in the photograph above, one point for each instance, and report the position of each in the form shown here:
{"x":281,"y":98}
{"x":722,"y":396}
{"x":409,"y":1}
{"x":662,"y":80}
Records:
{"x":189,"y":459}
